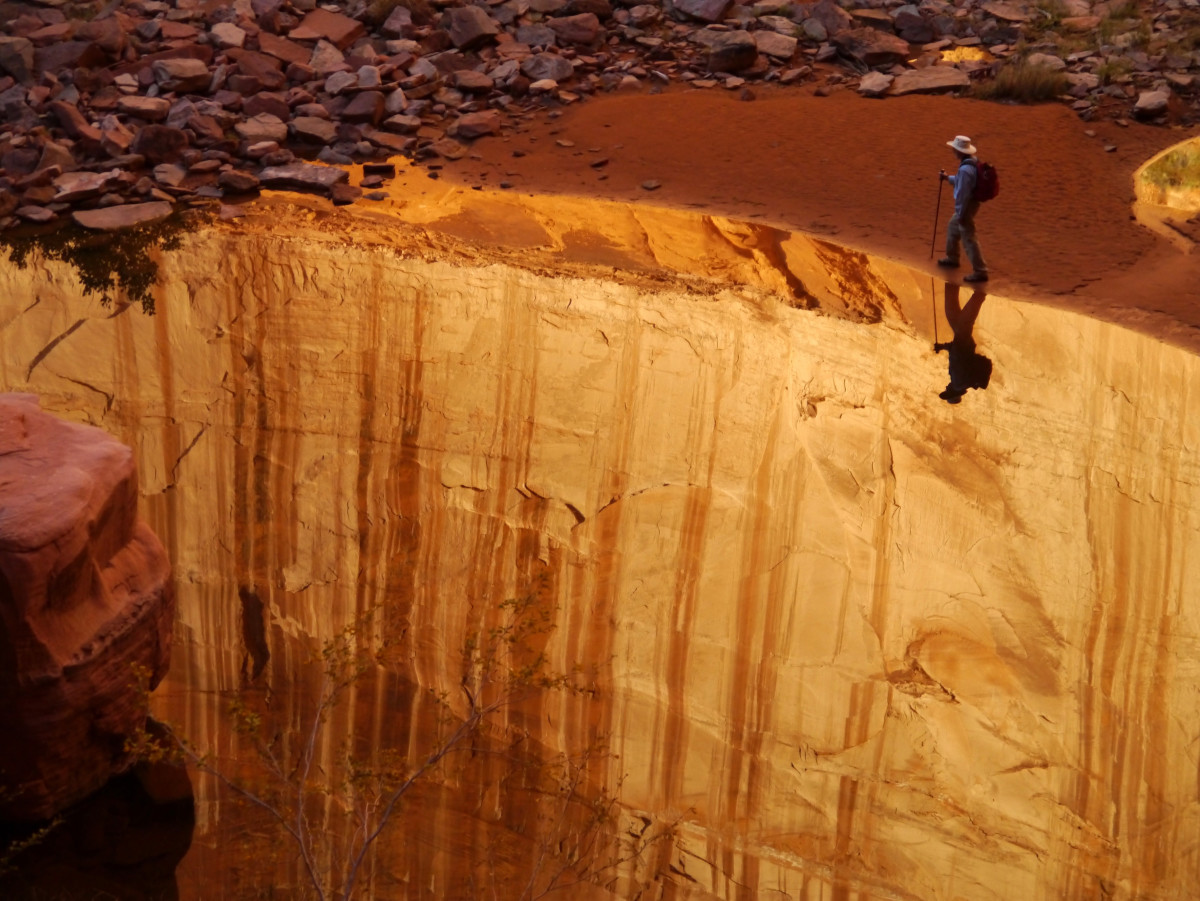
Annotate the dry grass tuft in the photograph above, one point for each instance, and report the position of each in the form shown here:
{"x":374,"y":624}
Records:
{"x":1021,"y":82}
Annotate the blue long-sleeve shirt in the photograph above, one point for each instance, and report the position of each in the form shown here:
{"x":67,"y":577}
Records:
{"x":964,"y":183}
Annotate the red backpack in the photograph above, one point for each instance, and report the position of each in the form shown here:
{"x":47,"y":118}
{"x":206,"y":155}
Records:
{"x":987,"y":181}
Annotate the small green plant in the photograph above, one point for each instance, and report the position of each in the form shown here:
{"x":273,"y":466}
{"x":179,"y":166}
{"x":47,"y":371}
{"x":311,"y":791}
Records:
{"x":108,"y":263}
{"x":1022,"y":82}
{"x":1047,"y":15}
{"x":17,"y":840}
{"x":1113,"y":70}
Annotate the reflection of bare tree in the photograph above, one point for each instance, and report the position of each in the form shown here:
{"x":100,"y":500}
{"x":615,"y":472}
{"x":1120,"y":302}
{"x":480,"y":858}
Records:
{"x":968,"y":369}
{"x":332,"y":793}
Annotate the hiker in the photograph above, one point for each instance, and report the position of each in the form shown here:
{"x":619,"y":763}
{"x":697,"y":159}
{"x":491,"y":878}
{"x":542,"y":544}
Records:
{"x":962,"y":223}
{"x":968,"y":369}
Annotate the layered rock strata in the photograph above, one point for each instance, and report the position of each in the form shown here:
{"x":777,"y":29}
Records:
{"x":86,"y":609}
{"x":858,"y":642}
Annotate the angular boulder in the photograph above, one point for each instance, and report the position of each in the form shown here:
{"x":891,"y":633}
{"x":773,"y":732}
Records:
{"x":541,"y":66}
{"x":159,"y":143}
{"x":1151,"y":103}
{"x":85,"y":598}
{"x":931,"y":80}
{"x":469,"y":27}
{"x":732,"y":51}
{"x":582,"y":29}
{"x":872,"y":47}
{"x":710,"y":11}
{"x":476,"y":125}
{"x":185,"y":76}
{"x":364,"y":107}
{"x":321,"y":24}
{"x":125,"y":215}
{"x":303,"y":177}
{"x":16,"y":58}
{"x":152,"y":109}
{"x":263,"y":127}
{"x":776,"y":45}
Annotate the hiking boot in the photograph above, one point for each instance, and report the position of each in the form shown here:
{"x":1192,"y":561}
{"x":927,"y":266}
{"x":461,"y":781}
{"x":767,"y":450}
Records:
{"x":948,"y":262}
{"x":976,"y":277}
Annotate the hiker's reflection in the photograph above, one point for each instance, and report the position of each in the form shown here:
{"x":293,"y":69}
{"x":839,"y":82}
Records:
{"x":968,"y":369}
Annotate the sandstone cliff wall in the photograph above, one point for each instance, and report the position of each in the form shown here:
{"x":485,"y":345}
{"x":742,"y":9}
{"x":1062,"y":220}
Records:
{"x":866,"y":643}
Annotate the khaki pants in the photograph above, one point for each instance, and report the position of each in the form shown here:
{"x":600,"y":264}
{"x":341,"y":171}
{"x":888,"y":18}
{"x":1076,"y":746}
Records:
{"x":962,"y":228}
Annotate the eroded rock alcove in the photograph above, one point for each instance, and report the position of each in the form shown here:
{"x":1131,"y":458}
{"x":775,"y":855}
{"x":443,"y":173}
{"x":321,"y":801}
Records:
{"x":859,"y":642}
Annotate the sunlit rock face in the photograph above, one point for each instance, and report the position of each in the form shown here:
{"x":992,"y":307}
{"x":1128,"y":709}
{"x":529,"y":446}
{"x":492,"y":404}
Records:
{"x":861,"y":642}
{"x":86,"y":609}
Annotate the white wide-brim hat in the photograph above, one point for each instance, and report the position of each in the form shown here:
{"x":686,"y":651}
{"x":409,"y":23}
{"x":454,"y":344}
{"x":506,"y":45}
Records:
{"x":962,"y":144}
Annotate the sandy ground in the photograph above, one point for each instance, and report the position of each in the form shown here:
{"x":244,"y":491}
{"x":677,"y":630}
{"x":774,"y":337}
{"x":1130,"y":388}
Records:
{"x":865,"y":174}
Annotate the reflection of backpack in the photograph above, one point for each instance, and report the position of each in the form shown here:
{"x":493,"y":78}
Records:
{"x":979,"y":371}
{"x":987,"y":181}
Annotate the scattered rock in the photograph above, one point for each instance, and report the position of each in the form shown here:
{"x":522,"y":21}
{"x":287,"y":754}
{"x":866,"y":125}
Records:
{"x":582,"y":29}
{"x":226,"y":35}
{"x":311,"y":128}
{"x":72,"y":187}
{"x":872,"y":47}
{"x":930,"y":80}
{"x":344,"y":194}
{"x":476,"y":125}
{"x":1151,"y":103}
{"x":469,"y":27}
{"x":776,"y":45}
{"x":115,"y":217}
{"x":541,"y":66}
{"x":303,"y":176}
{"x":263,"y":127}
{"x":16,"y":58}
{"x":875,"y":84}
{"x":160,"y":143}
{"x":365,"y":107}
{"x":36,"y":214}
{"x":152,"y":109}
{"x":184,"y":76}
{"x":321,"y":24}
{"x":238,"y":181}
{"x":732,"y":51}
{"x":704,"y":10}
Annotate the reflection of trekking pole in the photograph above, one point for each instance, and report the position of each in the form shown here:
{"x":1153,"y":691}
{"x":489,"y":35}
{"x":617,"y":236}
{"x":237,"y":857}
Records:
{"x":933,"y":297}
{"x":937,"y":213}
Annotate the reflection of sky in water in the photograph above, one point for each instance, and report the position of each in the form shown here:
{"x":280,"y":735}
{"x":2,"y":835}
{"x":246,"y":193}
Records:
{"x":724,"y":455}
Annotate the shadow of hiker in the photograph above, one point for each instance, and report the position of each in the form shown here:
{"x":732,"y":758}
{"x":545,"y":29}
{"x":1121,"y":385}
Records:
{"x":968,"y":369}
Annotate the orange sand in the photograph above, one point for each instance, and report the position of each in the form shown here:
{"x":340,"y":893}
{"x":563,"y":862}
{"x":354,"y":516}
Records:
{"x":864,"y":173}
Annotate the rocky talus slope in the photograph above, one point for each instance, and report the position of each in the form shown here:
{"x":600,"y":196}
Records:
{"x":111,"y":113}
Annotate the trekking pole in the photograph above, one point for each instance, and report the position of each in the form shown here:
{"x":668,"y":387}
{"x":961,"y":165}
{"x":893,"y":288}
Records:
{"x":936,"y":215}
